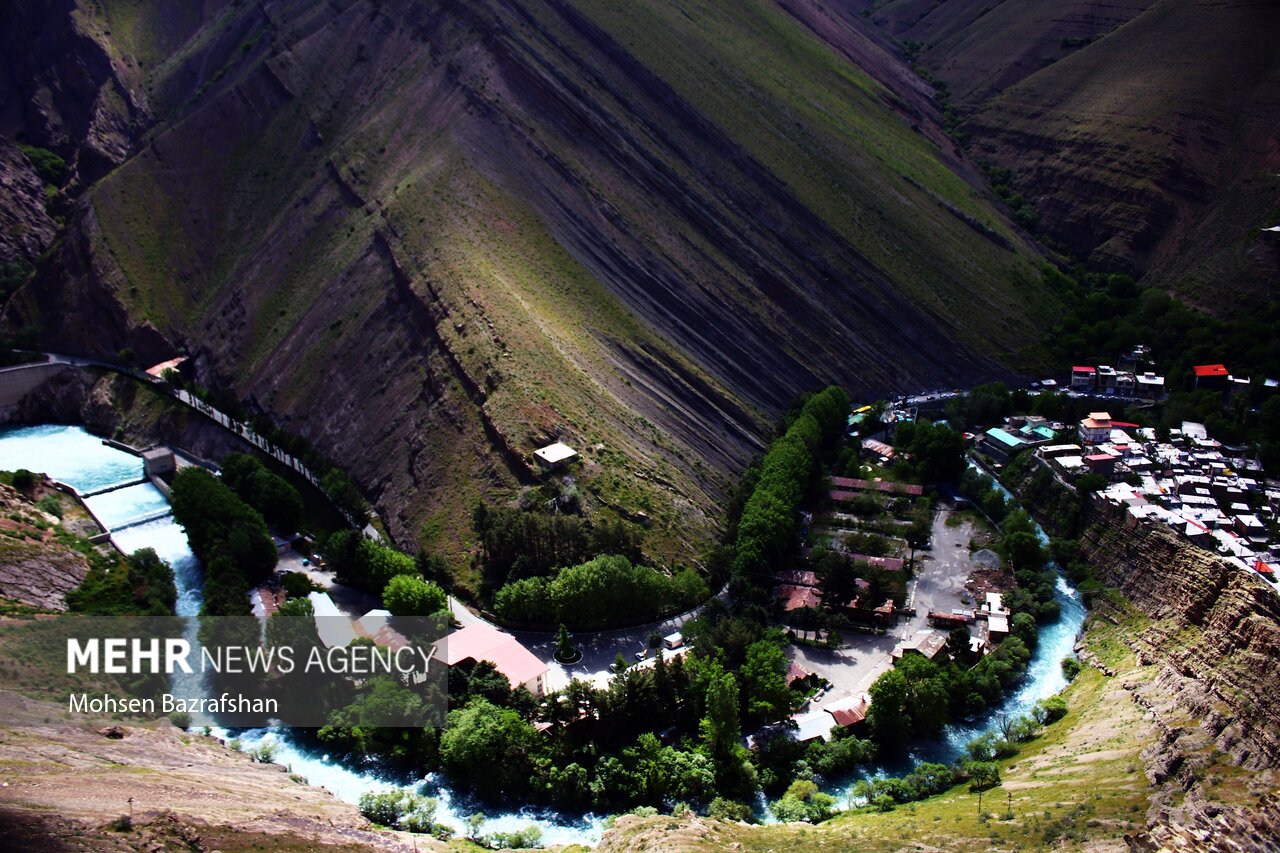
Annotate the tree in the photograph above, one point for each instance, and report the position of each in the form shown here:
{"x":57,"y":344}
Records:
{"x":982,"y":775}
{"x":720,"y":728}
{"x":887,"y":719}
{"x":293,"y":625}
{"x":564,"y":645}
{"x":410,"y":595}
{"x":764,"y":683}
{"x":489,"y":749}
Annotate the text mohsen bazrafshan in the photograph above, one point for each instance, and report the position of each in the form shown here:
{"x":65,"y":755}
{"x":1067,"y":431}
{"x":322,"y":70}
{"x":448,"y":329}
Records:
{"x":227,"y":703}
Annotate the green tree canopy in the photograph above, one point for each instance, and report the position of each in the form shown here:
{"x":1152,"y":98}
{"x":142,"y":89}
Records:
{"x":410,"y":595}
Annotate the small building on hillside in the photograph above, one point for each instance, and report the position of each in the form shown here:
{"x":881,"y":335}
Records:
{"x":1210,"y":376}
{"x":1101,"y":463}
{"x":1150,"y":386}
{"x":1106,"y":380}
{"x":554,"y":456}
{"x":1001,"y":444}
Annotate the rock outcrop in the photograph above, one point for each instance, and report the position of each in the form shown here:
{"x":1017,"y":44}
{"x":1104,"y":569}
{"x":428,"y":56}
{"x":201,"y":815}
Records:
{"x":35,"y":568}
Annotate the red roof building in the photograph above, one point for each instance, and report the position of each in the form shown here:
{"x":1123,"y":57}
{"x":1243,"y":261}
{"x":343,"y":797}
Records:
{"x":798,"y":597}
{"x":480,"y":642}
{"x":850,"y":712}
{"x":1211,"y":375}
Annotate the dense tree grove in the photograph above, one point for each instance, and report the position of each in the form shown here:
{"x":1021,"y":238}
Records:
{"x":789,"y":471}
{"x":606,"y":591}
{"x":517,"y":544}
{"x":936,"y":450}
{"x":362,"y":562}
{"x":229,"y":536}
{"x":268,"y":493}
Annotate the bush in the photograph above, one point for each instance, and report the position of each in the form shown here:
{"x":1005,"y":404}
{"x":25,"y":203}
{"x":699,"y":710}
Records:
{"x":51,"y":505}
{"x":387,"y":808}
{"x":1050,"y":710}
{"x":803,"y":802}
{"x":298,"y":585}
{"x":1070,"y":668}
{"x":725,"y":809}
{"x":23,"y":480}
{"x":51,"y":168}
{"x":520,"y":839}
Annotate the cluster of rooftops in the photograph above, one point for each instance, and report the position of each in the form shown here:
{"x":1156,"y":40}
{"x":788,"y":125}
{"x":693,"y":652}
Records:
{"x":1212,"y":495}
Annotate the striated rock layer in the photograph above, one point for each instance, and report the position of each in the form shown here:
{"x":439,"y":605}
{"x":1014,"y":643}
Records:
{"x":1215,"y":632}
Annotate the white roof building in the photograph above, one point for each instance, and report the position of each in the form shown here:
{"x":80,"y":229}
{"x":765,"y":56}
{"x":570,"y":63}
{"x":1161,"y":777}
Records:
{"x":554,"y":455}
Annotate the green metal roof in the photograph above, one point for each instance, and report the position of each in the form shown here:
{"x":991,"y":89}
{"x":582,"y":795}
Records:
{"x":1004,"y":437}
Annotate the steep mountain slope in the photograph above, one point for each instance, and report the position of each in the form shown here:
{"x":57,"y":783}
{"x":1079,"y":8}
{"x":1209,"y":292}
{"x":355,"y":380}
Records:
{"x":1147,"y":133}
{"x":430,"y":235}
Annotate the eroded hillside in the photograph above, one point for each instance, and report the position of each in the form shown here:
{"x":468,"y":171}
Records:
{"x":1145,"y":132}
{"x":429,"y":236}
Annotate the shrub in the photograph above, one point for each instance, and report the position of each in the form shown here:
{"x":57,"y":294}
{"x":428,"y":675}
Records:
{"x":23,"y":480}
{"x":51,"y":505}
{"x":725,"y":809}
{"x":1070,"y":668}
{"x":520,"y":839}
{"x":1050,"y":710}
{"x":51,"y":168}
{"x":386,"y":809}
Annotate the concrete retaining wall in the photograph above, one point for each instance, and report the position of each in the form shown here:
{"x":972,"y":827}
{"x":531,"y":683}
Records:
{"x":19,"y":381}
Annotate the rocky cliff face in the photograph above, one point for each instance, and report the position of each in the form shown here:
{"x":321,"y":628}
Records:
{"x":1215,"y":632}
{"x":26,"y":228}
{"x":35,"y":569}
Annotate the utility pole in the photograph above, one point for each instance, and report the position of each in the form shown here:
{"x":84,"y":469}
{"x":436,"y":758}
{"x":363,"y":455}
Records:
{"x":979,"y":804}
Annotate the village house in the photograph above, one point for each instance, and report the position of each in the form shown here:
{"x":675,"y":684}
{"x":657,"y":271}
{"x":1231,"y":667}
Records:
{"x":1096,"y":428}
{"x":1084,"y":378}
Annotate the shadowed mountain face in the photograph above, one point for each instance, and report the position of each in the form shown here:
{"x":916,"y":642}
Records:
{"x":1146,"y":131}
{"x":429,"y":236}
